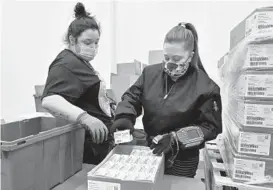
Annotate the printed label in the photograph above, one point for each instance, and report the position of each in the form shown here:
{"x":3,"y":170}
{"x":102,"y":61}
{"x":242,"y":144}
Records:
{"x":259,"y":56}
{"x":248,"y":170}
{"x":259,"y":85}
{"x":123,"y":136}
{"x":258,"y":115}
{"x":260,"y":22}
{"x":99,"y":185}
{"x":253,"y":143}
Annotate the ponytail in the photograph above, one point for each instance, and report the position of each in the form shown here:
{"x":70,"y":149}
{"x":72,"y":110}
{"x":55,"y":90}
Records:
{"x":196,"y":58}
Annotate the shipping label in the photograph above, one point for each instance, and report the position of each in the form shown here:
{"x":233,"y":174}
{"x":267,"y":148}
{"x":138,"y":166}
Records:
{"x":99,"y":185}
{"x":122,"y":136}
{"x":259,"y":22}
{"x":254,"y":143}
{"x":248,"y":170}
{"x":259,"y":56}
{"x":258,"y":115}
{"x":259,"y":85}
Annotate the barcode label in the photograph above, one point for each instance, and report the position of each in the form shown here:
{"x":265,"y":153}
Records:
{"x":262,"y":26}
{"x":258,"y":63}
{"x":254,"y":143}
{"x":246,"y":150}
{"x":255,"y":118}
{"x":256,"y":89}
{"x":259,"y":59}
{"x":243,"y":174}
{"x":254,"y":123}
{"x":255,"y":93}
{"x":249,"y":145}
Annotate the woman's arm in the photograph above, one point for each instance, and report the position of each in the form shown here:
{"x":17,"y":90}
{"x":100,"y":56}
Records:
{"x":60,"y":107}
{"x":207,"y":126}
{"x":62,"y":90}
{"x":131,"y":105}
{"x":210,"y":118}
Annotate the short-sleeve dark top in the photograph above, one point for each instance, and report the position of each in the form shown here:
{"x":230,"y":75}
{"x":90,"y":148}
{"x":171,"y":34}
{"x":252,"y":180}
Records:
{"x":75,"y":80}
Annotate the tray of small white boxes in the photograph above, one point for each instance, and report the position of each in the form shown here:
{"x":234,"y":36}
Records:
{"x":128,"y":167}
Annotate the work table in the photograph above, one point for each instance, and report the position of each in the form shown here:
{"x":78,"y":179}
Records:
{"x":79,"y":181}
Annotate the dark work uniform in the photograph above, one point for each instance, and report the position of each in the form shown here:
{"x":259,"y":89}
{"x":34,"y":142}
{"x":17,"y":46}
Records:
{"x":75,"y":80}
{"x":191,"y":100}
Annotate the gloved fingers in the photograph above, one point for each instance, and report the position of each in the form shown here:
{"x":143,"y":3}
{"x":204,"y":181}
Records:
{"x":93,"y":135}
{"x":106,"y":133}
{"x":101,"y":135}
{"x":113,"y":128}
{"x":91,"y":132}
{"x":97,"y":136}
{"x":158,"y":150}
{"x":132,"y":130}
{"x":121,"y":127}
{"x":153,"y":145}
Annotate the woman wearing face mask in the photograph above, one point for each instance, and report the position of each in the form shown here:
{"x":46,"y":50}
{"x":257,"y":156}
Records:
{"x":75,"y":91}
{"x":182,"y":105}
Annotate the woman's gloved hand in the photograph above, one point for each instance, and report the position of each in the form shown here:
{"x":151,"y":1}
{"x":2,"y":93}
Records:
{"x":122,"y":124}
{"x":163,"y":145}
{"x":95,"y":127}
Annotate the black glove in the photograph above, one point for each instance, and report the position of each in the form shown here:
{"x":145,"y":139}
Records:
{"x":163,"y":145}
{"x":122,"y":124}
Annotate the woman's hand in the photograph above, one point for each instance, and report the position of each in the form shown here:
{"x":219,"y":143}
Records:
{"x":162,"y":144}
{"x":122,"y":124}
{"x":96,"y":127}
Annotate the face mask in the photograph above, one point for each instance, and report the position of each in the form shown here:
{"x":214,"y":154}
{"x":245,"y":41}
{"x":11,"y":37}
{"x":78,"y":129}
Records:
{"x":86,"y":52}
{"x":176,"y":70}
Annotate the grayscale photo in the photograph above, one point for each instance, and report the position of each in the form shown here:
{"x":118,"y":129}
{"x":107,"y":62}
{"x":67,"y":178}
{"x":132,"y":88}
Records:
{"x":136,"y":95}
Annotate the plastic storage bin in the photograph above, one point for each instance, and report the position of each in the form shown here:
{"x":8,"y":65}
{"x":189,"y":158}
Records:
{"x":41,"y":161}
{"x":27,"y":126}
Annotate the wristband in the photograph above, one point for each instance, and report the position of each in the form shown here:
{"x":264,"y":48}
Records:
{"x":80,"y":119}
{"x":190,"y":136}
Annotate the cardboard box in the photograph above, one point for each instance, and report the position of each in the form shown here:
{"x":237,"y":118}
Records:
{"x":259,"y":56}
{"x":252,"y":114}
{"x":254,"y":85}
{"x":260,"y":21}
{"x":246,"y":168}
{"x":98,"y":182}
{"x":222,"y":61}
{"x":39,"y":89}
{"x":156,"y":57}
{"x":133,"y":68}
{"x":246,"y":142}
{"x":121,"y":83}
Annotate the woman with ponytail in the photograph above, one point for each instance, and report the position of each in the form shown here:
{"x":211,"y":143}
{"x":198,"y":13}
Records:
{"x":182,"y":105}
{"x":75,"y":91}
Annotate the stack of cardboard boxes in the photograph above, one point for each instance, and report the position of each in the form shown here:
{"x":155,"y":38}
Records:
{"x":127,"y":75}
{"x":247,"y":95}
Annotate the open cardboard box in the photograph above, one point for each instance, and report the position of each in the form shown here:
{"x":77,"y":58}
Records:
{"x":98,"y":183}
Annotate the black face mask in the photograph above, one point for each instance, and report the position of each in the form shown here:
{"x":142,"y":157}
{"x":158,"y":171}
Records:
{"x":171,"y":66}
